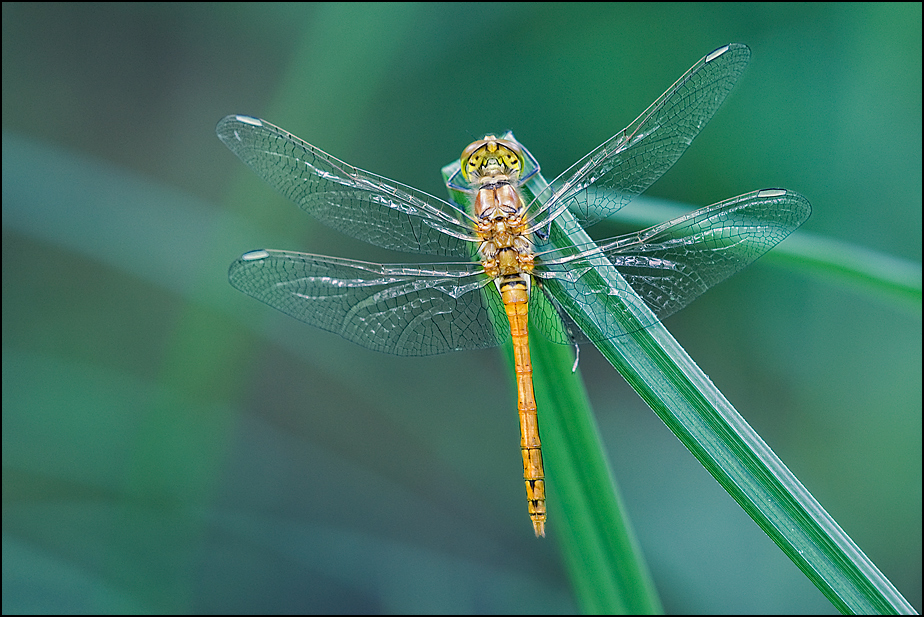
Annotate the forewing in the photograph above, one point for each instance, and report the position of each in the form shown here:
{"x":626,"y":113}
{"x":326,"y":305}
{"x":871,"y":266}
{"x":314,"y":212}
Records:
{"x":406,"y":310}
{"x":355,"y":202}
{"x":629,"y":162}
{"x":671,"y":264}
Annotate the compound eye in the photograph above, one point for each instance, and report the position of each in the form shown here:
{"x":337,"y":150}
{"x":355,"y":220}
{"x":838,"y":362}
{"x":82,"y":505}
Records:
{"x":472,"y":163}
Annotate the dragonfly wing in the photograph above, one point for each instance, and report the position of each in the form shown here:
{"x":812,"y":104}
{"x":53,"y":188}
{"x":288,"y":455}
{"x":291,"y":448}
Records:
{"x":671,"y":264}
{"x":551,"y":319}
{"x":355,"y":202}
{"x":629,"y":162}
{"x":406,"y":310}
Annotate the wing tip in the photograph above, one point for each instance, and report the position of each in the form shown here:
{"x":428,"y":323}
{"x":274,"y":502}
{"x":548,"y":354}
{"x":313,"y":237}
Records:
{"x":222,"y":128}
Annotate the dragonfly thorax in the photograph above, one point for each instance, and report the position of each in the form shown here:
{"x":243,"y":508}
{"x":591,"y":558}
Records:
{"x":497,"y":201}
{"x":505,"y":245}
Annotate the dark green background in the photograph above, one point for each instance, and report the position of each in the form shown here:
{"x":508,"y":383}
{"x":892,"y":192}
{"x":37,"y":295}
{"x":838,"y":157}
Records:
{"x":171,"y":445}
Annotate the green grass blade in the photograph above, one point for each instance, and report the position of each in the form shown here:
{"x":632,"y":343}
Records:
{"x":660,"y":370}
{"x":586,"y":513}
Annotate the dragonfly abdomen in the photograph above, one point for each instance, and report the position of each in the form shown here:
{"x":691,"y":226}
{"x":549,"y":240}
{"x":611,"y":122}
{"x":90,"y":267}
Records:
{"x":514,"y":290}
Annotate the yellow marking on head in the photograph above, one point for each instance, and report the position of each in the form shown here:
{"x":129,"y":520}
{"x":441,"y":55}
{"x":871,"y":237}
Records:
{"x":492,"y":157}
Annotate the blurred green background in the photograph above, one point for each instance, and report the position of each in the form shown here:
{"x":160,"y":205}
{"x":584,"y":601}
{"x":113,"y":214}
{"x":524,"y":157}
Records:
{"x":171,"y":445}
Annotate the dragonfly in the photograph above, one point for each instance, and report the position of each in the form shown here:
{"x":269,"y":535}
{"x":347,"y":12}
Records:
{"x":503,"y":227}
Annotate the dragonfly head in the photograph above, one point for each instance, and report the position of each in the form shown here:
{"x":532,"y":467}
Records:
{"x":497,"y":159}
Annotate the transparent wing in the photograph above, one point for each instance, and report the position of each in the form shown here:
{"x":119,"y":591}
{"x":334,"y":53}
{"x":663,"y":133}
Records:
{"x":630,"y":161}
{"x":406,"y":310}
{"x":356,"y":202}
{"x":671,"y":264}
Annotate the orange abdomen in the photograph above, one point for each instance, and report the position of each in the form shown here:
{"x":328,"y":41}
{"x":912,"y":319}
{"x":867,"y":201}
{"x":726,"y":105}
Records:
{"x":515,"y":295}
